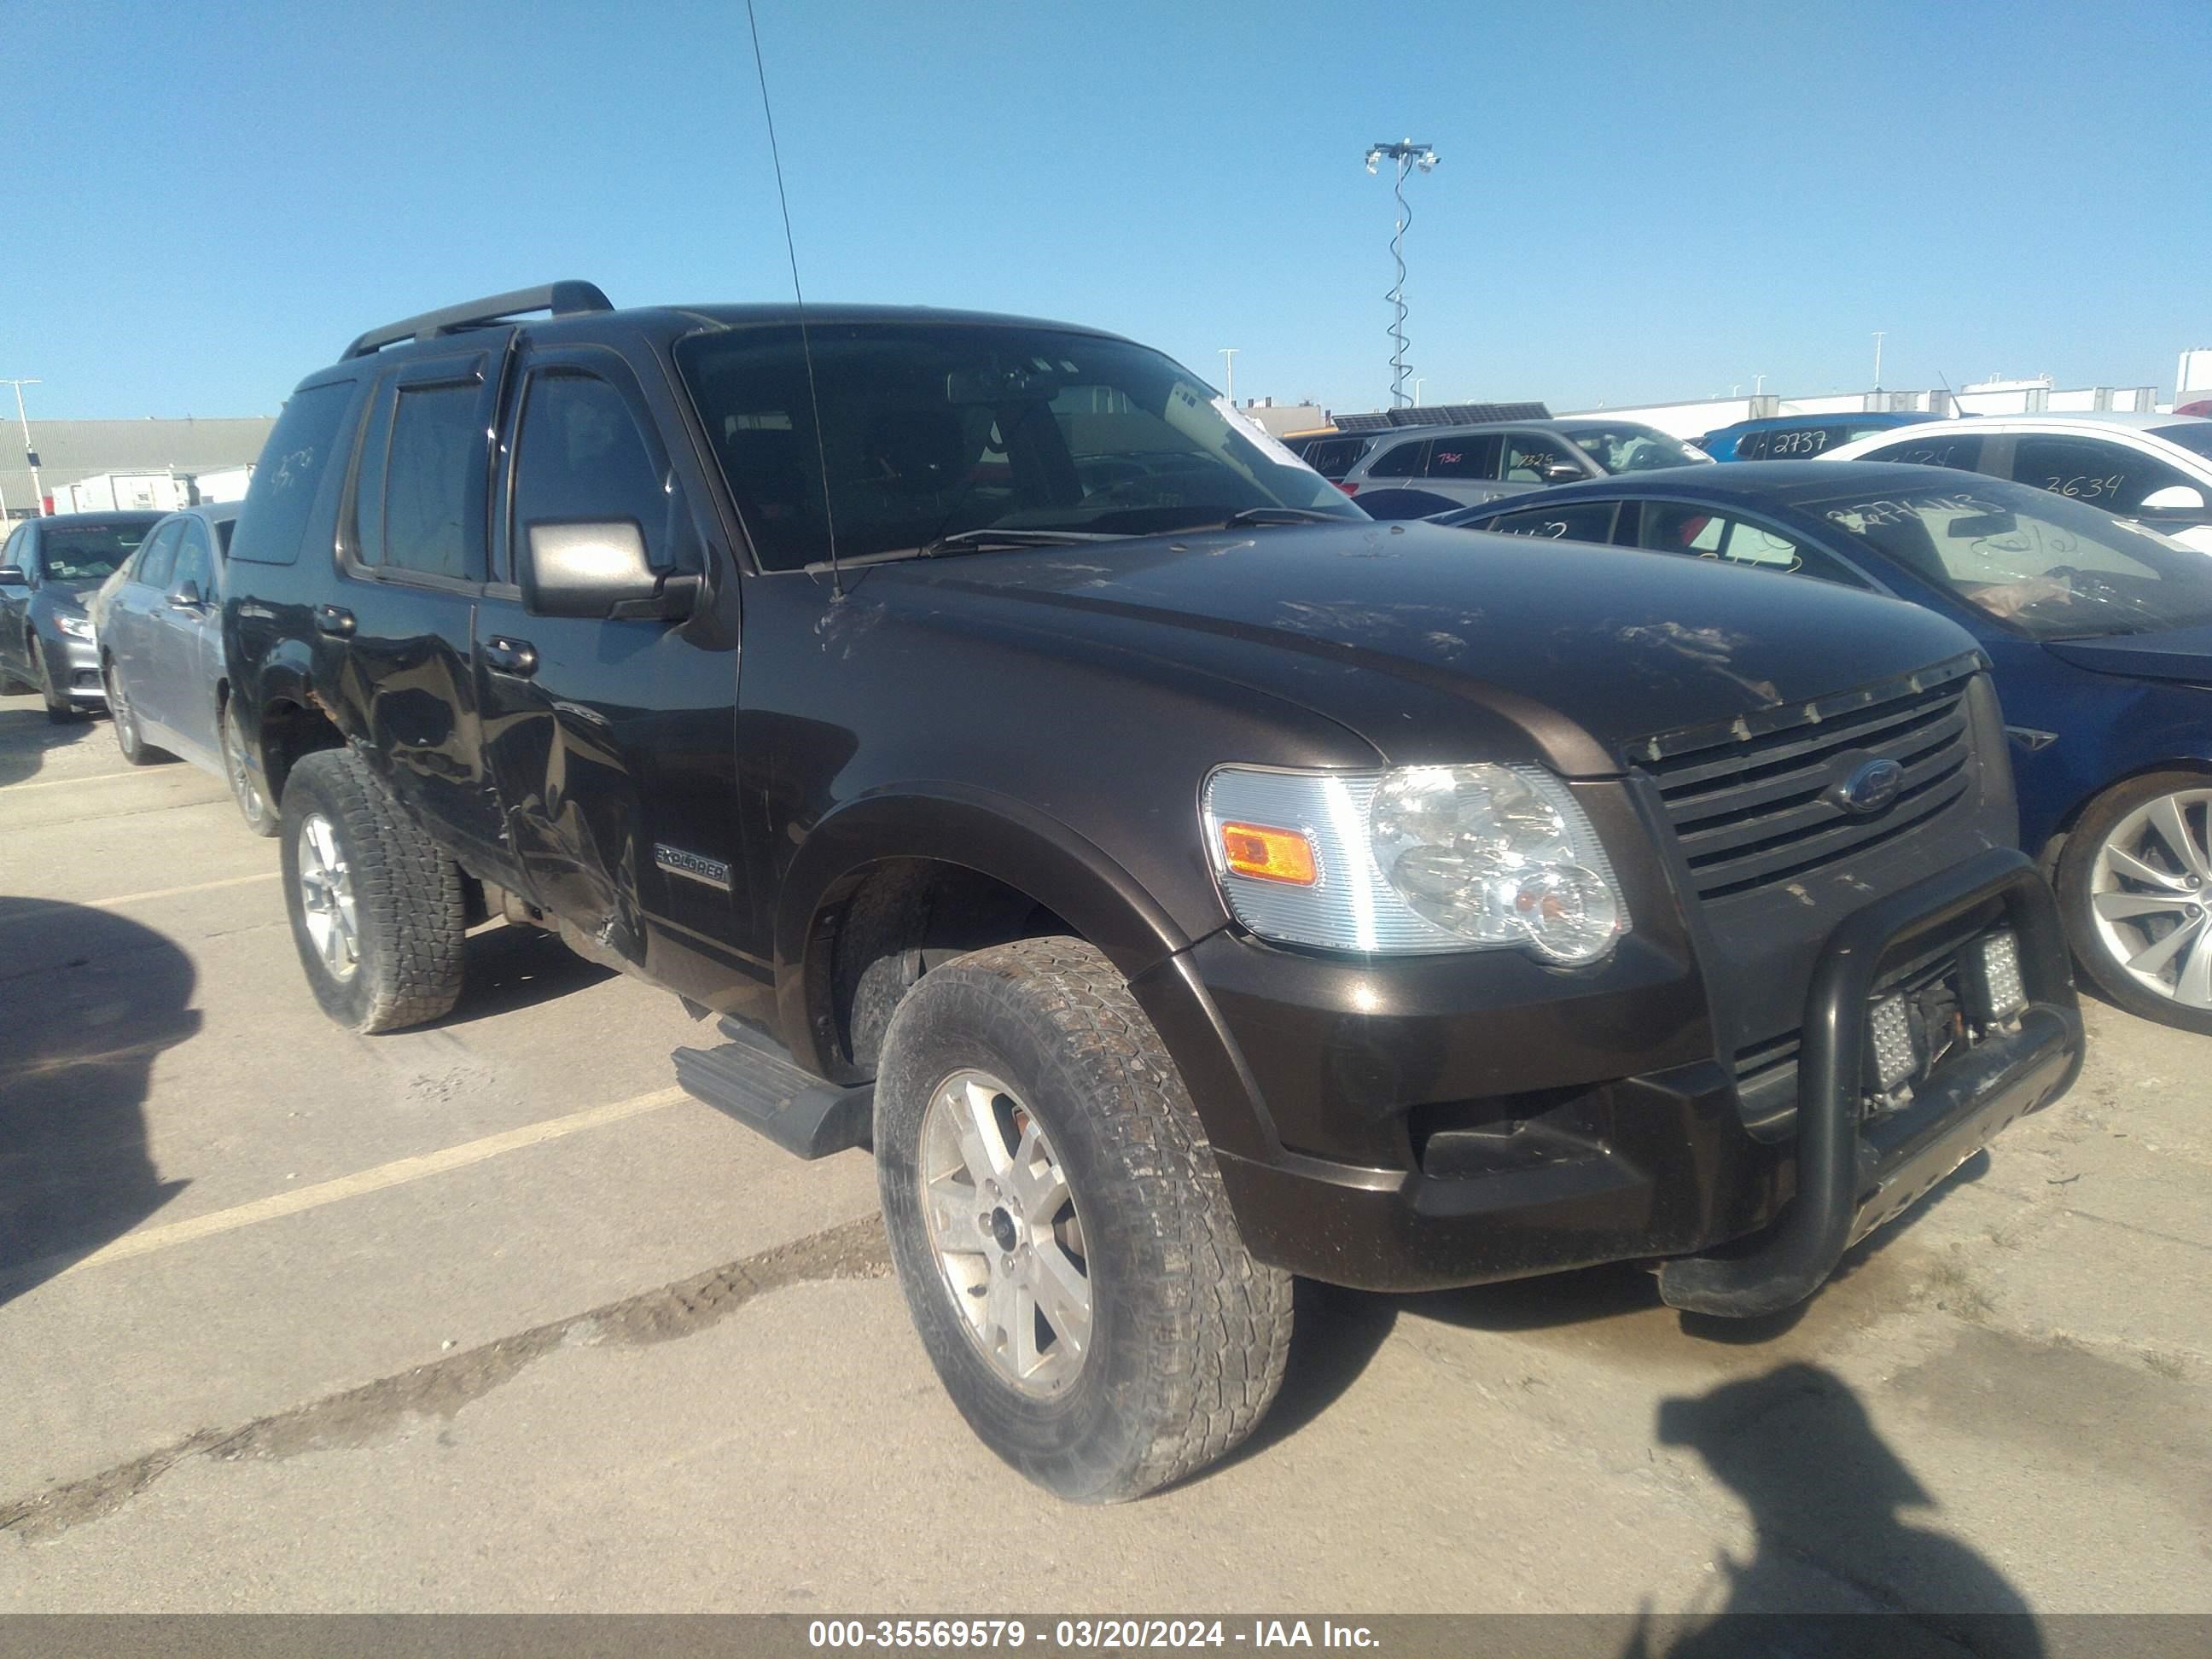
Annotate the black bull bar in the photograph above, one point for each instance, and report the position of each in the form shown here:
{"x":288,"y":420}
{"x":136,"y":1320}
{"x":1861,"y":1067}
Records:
{"x":1854,"y":1176}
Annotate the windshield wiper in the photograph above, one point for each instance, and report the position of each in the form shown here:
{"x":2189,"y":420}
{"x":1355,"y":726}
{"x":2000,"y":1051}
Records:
{"x":1252,"y":515}
{"x":964,"y":540}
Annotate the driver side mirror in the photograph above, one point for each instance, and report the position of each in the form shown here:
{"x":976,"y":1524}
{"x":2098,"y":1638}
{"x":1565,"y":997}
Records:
{"x":11,"y":576}
{"x":187,"y":598}
{"x":599,"y":571}
{"x":1564,"y":472}
{"x":2175,"y":504}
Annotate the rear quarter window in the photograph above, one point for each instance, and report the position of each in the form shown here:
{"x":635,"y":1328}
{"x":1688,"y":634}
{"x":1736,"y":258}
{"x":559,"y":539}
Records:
{"x":294,"y":466}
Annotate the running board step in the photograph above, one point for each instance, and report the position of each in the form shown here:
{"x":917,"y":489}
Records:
{"x":750,"y":1078}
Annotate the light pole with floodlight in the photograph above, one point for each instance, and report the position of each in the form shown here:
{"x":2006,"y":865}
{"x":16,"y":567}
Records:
{"x":1408,"y":155}
{"x":1228,"y":366}
{"x":38,"y":488}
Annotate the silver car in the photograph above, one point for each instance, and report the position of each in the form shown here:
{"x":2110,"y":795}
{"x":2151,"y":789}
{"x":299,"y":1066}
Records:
{"x":1437,"y":468}
{"x":159,"y":623}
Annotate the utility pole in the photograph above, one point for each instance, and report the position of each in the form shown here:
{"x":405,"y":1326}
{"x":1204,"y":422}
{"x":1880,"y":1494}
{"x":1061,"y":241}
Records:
{"x":1228,"y":358}
{"x":1419,"y":381}
{"x":38,"y":489}
{"x":1758,"y":384}
{"x":1878,"y":333}
{"x":1406,"y":154}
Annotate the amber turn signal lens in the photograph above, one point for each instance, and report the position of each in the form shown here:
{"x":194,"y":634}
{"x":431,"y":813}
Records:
{"x":1285,"y":855}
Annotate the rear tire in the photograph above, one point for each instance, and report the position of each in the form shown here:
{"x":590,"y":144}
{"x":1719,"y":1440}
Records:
{"x":2138,"y":907}
{"x":1182,"y":1335}
{"x":253,"y":804}
{"x":378,"y":912}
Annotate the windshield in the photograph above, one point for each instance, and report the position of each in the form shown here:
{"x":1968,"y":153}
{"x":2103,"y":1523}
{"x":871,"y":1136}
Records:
{"x":1629,"y":448}
{"x":2046,"y":566}
{"x":931,"y":430}
{"x":81,"y":553}
{"x":2193,"y":435}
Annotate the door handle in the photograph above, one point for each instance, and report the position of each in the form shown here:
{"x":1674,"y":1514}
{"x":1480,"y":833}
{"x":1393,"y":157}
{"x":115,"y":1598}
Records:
{"x":334,"y":620}
{"x":503,"y":655}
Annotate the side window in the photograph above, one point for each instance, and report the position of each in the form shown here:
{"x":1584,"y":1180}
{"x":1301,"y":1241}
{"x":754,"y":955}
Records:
{"x":1796,"y":443}
{"x":1474,"y":457}
{"x":194,"y":563}
{"x":437,"y":437}
{"x":1961,"y":452}
{"x":580,"y":458}
{"x":293,"y":463}
{"x":17,"y":545}
{"x":1402,"y":462}
{"x":1579,"y":521}
{"x":1671,"y":529}
{"x":1751,"y":447}
{"x":1333,"y":457}
{"x":1528,"y":453}
{"x":2092,"y":470}
{"x":159,"y":556}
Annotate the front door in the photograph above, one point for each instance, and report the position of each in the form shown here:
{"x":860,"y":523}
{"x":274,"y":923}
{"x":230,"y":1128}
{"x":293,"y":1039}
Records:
{"x":178,"y":616}
{"x":413,"y":563}
{"x":612,"y":739}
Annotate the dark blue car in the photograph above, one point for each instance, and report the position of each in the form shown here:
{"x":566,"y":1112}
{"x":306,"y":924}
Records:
{"x":2100,"y":635}
{"x":1795,"y":437}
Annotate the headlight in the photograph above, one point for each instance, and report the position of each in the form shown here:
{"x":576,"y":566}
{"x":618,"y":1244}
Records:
{"x":77,"y":627}
{"x":1423,"y":859}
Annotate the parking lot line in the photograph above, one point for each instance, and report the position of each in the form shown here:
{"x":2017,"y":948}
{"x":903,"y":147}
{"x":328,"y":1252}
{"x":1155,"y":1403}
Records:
{"x":92,"y":777}
{"x":397,"y":1173}
{"x":31,"y":911}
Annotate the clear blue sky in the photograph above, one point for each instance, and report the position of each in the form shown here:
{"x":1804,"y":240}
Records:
{"x":1636,"y":202}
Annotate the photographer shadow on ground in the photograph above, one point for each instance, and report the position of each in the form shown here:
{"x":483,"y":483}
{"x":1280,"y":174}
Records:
{"x":1825,"y":1491}
{"x":87,"y":1000}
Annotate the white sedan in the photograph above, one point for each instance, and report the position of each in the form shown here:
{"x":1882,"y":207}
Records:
{"x":2155,"y":470}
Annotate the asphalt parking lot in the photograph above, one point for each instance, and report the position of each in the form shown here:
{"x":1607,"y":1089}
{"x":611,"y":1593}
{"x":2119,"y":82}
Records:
{"x":489,"y":1316}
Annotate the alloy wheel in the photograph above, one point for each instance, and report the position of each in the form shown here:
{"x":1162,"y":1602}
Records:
{"x":243,"y":789}
{"x":2148,"y":890}
{"x":326,"y":897}
{"x":1008,"y":1240}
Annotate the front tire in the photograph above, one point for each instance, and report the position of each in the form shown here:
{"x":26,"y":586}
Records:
{"x":2134,"y":884}
{"x":253,"y":806}
{"x":135,"y":749}
{"x":1060,"y":1229}
{"x":59,"y":709}
{"x":378,"y":912}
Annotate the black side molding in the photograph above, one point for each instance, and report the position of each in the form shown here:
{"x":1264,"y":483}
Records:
{"x":751,"y":1080}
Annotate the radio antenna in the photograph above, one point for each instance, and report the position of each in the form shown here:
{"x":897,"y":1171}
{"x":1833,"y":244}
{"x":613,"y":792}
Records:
{"x":806,"y":346}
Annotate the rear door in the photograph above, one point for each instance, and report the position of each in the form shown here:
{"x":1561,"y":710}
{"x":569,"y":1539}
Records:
{"x":413,"y":561}
{"x":179,"y":616}
{"x":128,"y":636}
{"x":611,"y":740}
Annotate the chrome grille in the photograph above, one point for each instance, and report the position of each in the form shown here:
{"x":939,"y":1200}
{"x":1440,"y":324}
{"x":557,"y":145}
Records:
{"x":1752,"y":809}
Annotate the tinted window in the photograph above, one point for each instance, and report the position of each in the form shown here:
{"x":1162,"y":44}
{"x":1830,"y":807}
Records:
{"x":437,"y":437}
{"x":1465,"y":458}
{"x":1628,"y":447}
{"x":1578,"y":521}
{"x":1669,"y":528}
{"x":78,"y":553}
{"x":2193,"y":435}
{"x":159,"y":556}
{"x":1962,"y":451}
{"x":1794,"y":443}
{"x":195,"y":562}
{"x":581,"y":460}
{"x":2043,"y":564}
{"x":2094,"y":469}
{"x":1333,"y":457}
{"x":293,"y":463}
{"x":1401,"y":461}
{"x":13,"y":553}
{"x":1528,"y":453}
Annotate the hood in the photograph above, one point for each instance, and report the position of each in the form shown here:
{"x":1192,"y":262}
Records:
{"x":2172,"y":654}
{"x":1622,"y":643}
{"x":66,"y":598}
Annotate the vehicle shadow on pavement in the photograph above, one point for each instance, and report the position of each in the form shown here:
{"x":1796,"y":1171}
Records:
{"x":26,"y":736}
{"x":1824,"y":1491}
{"x":87,"y":1000}
{"x":511,"y":966}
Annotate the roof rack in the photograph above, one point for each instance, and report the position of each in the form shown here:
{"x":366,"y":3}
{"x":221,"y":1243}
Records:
{"x":562,"y":298}
{"x":1442,"y":415}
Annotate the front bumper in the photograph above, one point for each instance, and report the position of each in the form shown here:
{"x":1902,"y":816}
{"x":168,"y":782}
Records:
{"x":76,"y":671}
{"x":1533,"y":1170}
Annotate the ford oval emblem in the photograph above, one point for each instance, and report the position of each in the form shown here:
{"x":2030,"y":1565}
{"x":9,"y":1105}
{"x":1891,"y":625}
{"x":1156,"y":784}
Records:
{"x":1870,"y":786}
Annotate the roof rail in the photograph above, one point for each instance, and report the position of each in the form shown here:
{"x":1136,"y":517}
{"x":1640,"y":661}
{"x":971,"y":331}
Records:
{"x":562,"y":298}
{"x":1442,"y":415}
